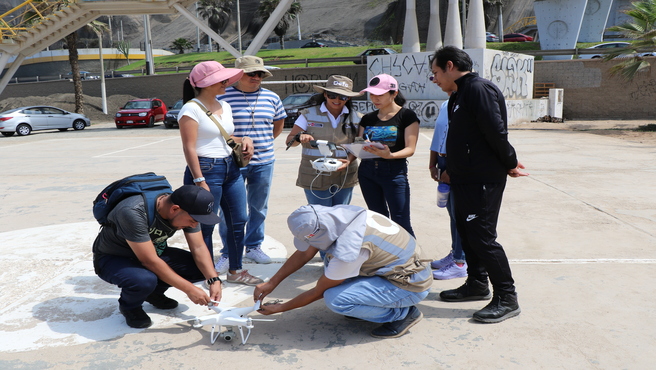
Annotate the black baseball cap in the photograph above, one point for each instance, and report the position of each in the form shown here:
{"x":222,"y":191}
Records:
{"x":198,"y":202}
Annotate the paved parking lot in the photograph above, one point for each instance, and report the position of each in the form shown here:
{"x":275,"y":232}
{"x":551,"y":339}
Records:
{"x":580,"y":233}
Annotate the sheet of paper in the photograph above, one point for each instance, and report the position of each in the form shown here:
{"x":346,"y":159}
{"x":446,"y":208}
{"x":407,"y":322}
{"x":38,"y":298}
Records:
{"x":357,"y":149}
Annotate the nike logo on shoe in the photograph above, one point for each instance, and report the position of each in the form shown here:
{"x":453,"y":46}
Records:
{"x":456,"y":108}
{"x":471,"y":217}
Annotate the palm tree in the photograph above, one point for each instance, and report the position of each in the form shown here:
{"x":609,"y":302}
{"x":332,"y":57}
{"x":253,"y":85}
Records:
{"x":217,"y":13}
{"x":643,"y":30}
{"x":268,"y":6}
{"x":180,"y":44}
{"x":73,"y":59}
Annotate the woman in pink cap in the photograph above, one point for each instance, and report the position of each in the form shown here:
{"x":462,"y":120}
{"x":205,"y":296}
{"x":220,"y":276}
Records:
{"x":384,"y":179}
{"x":209,"y":157}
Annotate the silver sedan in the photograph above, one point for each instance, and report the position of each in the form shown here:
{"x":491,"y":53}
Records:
{"x":24,"y":120}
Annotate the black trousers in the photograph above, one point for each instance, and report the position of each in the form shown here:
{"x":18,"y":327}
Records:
{"x":477,"y":212}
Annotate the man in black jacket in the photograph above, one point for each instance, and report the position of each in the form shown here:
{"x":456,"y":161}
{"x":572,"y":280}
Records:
{"x":478,"y":162}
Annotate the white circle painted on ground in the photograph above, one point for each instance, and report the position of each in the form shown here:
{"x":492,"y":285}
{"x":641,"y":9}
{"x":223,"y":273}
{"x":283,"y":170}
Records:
{"x":51,"y":296}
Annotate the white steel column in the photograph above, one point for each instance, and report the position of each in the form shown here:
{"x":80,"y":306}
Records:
{"x":475,"y":29}
{"x":453,"y":32}
{"x":434,"y":39}
{"x":410,"y":29}
{"x":11,"y":70}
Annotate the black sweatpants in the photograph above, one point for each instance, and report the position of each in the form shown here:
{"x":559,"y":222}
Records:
{"x":477,"y":212}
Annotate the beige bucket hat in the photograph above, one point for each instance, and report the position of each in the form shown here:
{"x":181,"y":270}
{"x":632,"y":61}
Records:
{"x":251,"y":63}
{"x":339,"y":85}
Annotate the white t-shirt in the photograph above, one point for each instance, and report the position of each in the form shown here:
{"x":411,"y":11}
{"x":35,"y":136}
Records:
{"x":301,"y":121}
{"x":340,"y":270}
{"x":210,"y":143}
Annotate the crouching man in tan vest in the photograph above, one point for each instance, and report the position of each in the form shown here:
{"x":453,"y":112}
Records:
{"x":373,"y":267}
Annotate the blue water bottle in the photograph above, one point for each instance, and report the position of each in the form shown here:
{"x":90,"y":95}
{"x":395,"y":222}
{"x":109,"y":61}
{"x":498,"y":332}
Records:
{"x":442,"y":194}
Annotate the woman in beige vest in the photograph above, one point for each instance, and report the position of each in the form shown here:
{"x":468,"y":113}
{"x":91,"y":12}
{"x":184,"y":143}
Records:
{"x":328,"y":116}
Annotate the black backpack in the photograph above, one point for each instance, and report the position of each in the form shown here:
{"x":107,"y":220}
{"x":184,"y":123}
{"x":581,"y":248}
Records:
{"x":149,"y":185}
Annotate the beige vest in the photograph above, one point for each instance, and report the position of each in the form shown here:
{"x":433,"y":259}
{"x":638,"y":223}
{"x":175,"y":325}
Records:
{"x":412,"y":275}
{"x":320,"y":127}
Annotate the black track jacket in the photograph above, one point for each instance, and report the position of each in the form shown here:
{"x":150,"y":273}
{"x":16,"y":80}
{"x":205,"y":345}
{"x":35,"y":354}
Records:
{"x":477,"y":144}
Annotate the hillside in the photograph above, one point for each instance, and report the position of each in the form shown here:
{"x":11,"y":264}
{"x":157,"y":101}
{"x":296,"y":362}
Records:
{"x":355,"y":22}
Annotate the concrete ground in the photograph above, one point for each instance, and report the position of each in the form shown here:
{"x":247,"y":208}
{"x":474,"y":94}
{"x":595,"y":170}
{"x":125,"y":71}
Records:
{"x":580,"y":232}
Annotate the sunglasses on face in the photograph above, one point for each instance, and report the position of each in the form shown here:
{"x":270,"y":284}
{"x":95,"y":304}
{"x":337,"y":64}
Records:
{"x":255,"y":74}
{"x":336,"y":96}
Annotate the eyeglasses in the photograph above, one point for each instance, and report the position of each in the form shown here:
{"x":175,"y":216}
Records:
{"x":431,"y":78}
{"x":336,"y":96}
{"x":254,"y":74}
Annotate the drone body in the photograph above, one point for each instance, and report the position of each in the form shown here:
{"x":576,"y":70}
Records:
{"x":229,"y":317}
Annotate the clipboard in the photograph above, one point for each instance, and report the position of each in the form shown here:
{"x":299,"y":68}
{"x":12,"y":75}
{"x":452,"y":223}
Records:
{"x":357,"y":149}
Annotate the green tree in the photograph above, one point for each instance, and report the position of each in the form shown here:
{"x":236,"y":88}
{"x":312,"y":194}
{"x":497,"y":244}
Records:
{"x":181,"y":44}
{"x":123,"y":47}
{"x":642,"y":29}
{"x":268,"y":6}
{"x":217,"y":13}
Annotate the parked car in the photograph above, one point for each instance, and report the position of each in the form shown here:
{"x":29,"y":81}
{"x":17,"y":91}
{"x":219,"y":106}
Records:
{"x":83,"y":75}
{"x":377,"y":51}
{"x":516,"y":37}
{"x":141,"y":112}
{"x":490,"y":37}
{"x":171,"y":118}
{"x":291,"y":102}
{"x":116,"y":74}
{"x":314,"y":44}
{"x":24,"y":120}
{"x":608,"y":46}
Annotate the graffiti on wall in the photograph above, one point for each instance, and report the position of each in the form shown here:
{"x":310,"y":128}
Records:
{"x":300,"y":86}
{"x":644,"y":90}
{"x":512,"y":75}
{"x":411,"y":70}
{"x":426,"y":110}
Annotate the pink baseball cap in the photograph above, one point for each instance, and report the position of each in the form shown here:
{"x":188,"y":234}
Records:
{"x":210,"y":72}
{"x":381,"y":84}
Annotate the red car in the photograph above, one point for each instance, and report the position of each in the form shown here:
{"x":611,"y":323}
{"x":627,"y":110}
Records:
{"x":516,"y":37}
{"x":141,"y":112}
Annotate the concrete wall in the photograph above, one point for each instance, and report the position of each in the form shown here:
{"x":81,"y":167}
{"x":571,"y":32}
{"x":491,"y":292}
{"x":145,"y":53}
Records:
{"x":591,"y":93}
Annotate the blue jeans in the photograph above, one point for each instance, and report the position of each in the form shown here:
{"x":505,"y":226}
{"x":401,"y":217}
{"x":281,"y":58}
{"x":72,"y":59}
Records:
{"x":258,"y":185}
{"x":137,"y":282}
{"x":456,"y":241}
{"x":385,"y":188}
{"x":371,"y":298}
{"x":226,"y":184}
{"x":326,"y":198}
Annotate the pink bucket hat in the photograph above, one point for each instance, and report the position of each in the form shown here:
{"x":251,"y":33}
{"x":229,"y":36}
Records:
{"x":381,"y":84}
{"x":208,"y":73}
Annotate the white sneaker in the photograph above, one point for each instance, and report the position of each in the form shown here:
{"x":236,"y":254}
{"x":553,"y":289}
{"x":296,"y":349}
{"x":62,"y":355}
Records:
{"x":221,"y":267}
{"x":436,"y":265}
{"x":257,"y":255}
{"x":450,"y":271}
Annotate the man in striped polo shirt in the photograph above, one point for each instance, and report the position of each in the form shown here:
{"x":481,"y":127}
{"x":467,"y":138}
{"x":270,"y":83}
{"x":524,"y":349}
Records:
{"x":259,"y":114}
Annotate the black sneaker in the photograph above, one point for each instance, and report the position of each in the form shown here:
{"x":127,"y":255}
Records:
{"x":161,"y":301}
{"x":471,"y":290}
{"x":136,"y":317}
{"x":397,"y":328}
{"x":502,"y":307}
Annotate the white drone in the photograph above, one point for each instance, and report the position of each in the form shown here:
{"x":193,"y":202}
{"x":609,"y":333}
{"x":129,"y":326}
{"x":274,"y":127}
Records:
{"x":229,"y":317}
{"x":326,"y":149}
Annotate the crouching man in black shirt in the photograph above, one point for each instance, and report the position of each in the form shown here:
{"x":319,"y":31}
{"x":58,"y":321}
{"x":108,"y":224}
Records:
{"x":134,"y":255}
{"x":479,"y":160}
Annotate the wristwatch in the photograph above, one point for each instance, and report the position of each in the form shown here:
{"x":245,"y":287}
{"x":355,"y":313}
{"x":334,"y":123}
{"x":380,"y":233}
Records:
{"x":210,"y":281}
{"x":199,"y":179}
